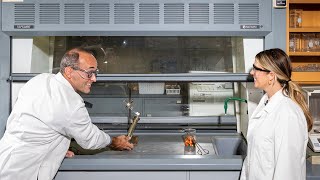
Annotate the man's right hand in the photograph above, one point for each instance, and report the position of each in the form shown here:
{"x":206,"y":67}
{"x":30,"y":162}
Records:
{"x":121,"y":143}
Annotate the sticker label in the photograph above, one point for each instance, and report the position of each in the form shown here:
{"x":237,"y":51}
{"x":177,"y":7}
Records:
{"x":23,"y":26}
{"x":12,"y":0}
{"x":250,"y":26}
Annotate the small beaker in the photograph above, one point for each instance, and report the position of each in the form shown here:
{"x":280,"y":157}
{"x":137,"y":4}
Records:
{"x":295,"y":20}
{"x":294,"y":42}
{"x":189,"y":139}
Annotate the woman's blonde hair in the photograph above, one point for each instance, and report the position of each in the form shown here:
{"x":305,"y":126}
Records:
{"x":277,"y":61}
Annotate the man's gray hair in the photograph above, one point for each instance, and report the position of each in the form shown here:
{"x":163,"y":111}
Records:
{"x":71,"y":58}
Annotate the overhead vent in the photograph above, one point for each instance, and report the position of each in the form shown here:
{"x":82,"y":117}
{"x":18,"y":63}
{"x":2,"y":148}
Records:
{"x":49,"y":13}
{"x":149,"y":13}
{"x":138,"y":17}
{"x":124,"y":13}
{"x":24,"y":13}
{"x":99,"y":13}
{"x":223,"y":13}
{"x":74,"y":14}
{"x":174,"y":13}
{"x":199,"y":13}
{"x":249,"y":13}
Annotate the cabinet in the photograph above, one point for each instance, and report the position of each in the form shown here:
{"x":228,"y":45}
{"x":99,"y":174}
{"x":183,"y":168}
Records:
{"x":154,"y":175}
{"x":303,"y":40}
{"x":121,"y":175}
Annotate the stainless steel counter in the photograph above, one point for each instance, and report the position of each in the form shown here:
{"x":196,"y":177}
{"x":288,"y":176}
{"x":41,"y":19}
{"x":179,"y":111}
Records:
{"x":313,"y":170}
{"x":165,"y":152}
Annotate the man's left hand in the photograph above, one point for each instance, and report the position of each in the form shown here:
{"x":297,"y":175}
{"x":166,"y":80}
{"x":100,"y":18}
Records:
{"x":69,"y":154}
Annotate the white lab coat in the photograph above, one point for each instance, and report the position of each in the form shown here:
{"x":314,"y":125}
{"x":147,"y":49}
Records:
{"x":47,"y":114}
{"x":277,"y":141}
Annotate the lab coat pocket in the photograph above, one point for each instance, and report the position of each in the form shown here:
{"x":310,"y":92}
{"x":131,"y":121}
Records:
{"x":258,"y":115}
{"x":47,"y":172}
{"x":266,"y":155}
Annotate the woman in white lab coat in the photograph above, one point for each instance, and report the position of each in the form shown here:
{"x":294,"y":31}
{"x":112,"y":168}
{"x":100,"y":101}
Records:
{"x":48,"y":113}
{"x":278,"y":128}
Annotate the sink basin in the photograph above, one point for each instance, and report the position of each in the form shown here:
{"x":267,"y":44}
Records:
{"x":229,"y":145}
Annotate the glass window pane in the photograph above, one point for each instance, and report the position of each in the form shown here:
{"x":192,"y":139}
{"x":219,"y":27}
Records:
{"x":161,"y":99}
{"x":169,"y":102}
{"x":131,"y":55}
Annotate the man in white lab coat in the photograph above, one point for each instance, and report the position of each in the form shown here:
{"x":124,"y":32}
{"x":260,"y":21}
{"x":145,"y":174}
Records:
{"x":47,"y":114}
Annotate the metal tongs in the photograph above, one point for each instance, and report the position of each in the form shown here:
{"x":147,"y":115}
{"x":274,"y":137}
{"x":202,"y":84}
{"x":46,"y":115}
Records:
{"x":201,"y":150}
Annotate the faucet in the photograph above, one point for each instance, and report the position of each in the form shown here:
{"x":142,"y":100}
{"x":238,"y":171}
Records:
{"x":135,"y":119}
{"x":231,"y":98}
{"x":133,"y":125}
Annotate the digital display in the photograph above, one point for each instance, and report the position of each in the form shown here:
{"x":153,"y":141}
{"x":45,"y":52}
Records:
{"x":279,"y":3}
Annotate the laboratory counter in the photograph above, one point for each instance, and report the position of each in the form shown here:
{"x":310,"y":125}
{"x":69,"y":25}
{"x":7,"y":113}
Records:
{"x":313,"y":170}
{"x":164,"y":156}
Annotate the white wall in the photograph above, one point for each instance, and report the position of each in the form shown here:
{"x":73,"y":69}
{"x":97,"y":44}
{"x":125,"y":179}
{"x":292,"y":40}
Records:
{"x":251,"y":48}
{"x":248,"y":91}
{"x":21,"y":55}
{"x":30,"y":55}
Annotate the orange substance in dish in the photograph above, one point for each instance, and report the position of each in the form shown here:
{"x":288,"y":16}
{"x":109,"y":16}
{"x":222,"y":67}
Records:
{"x":189,"y":140}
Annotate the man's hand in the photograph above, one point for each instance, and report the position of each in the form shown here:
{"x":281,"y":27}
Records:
{"x":69,"y":154}
{"x":121,"y":143}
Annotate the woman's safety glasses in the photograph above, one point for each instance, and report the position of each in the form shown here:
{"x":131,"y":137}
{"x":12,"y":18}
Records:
{"x":255,"y":68}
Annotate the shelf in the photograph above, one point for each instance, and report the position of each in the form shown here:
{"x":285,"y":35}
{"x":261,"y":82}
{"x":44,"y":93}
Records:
{"x":305,"y":29}
{"x":304,"y":2}
{"x":304,"y":53}
{"x":183,"y":77}
{"x":306,"y":77}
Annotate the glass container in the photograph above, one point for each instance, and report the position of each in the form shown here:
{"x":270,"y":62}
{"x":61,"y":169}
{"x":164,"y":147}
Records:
{"x":189,"y":139}
{"x":308,"y":42}
{"x":294,"y":42}
{"x":317,"y":42}
{"x":295,"y":18}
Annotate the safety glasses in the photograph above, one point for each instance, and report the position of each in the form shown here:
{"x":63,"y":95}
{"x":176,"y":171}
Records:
{"x":255,"y":68}
{"x":89,"y":73}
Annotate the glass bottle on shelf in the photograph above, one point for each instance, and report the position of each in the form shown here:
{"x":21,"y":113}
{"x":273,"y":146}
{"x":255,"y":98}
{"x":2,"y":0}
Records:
{"x":308,"y":42}
{"x":294,"y":42}
{"x":317,"y":42}
{"x":295,"y":18}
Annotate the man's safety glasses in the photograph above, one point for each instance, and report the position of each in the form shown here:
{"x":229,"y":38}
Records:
{"x":89,"y":73}
{"x":255,"y":68}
